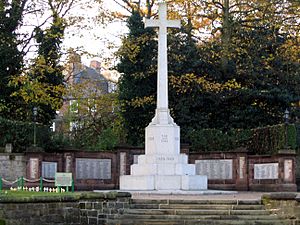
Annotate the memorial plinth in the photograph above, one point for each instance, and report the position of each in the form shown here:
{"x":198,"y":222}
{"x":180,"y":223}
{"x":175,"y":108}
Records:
{"x":162,"y":167}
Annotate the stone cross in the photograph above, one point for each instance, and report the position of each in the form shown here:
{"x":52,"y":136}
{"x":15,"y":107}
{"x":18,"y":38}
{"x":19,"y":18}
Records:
{"x":162,"y":167}
{"x":162,"y":71}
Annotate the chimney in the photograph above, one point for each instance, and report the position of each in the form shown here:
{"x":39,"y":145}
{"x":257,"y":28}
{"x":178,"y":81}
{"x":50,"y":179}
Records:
{"x":95,"y":64}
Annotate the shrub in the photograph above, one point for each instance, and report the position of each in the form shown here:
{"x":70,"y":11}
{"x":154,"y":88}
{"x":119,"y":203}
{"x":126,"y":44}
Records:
{"x":20,"y":134}
{"x":264,"y":140}
{"x":217,"y":140}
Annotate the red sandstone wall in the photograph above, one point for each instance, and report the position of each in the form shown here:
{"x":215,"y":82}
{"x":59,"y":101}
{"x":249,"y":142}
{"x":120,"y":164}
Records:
{"x":242,"y":179}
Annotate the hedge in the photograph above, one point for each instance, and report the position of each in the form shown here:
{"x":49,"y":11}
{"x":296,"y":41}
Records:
{"x":261,"y":141}
{"x":20,"y":134}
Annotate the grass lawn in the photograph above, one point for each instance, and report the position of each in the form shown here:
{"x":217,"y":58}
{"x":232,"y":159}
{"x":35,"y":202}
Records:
{"x":7,"y":196}
{"x":21,"y":194}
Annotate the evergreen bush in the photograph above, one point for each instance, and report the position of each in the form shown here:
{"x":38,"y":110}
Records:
{"x":20,"y":134}
{"x":260,"y":141}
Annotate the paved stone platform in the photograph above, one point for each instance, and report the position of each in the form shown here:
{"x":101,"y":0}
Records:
{"x":194,"y":195}
{"x":201,"y":195}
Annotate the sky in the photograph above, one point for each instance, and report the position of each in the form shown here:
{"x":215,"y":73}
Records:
{"x":96,"y":40}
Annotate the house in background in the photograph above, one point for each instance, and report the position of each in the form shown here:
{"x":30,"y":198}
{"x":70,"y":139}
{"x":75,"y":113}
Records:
{"x":93,"y":80}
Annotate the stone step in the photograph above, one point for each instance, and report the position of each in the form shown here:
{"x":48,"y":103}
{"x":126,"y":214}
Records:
{"x":192,"y":212}
{"x":202,"y":202}
{"x":195,"y":212}
{"x":168,"y":217}
{"x":195,"y":206}
{"x":199,"y":222}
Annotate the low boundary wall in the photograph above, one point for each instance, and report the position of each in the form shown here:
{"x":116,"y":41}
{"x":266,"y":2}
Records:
{"x":101,"y":170}
{"x":79,"y":209}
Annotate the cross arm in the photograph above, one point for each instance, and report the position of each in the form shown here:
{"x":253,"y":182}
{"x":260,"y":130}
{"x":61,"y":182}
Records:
{"x":157,"y":23}
{"x":174,"y":23}
{"x":151,"y":23}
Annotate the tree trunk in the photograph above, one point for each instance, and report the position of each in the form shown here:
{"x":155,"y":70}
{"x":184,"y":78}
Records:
{"x":226,"y":35}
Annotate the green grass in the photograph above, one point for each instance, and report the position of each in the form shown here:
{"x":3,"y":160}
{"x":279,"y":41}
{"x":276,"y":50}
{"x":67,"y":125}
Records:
{"x":8,"y":193}
{"x":7,"y":196}
{"x":28,"y":196}
{"x":2,"y":222}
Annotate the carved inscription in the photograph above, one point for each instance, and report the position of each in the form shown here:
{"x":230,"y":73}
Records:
{"x":214,"y":169}
{"x":97,"y":169}
{"x":164,"y":138}
{"x":266,"y":171}
{"x":165,"y":158}
{"x":151,"y":138}
{"x":34,"y":168}
{"x":49,"y":169}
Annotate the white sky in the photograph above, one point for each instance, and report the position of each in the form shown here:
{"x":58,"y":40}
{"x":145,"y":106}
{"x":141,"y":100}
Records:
{"x":96,"y":40}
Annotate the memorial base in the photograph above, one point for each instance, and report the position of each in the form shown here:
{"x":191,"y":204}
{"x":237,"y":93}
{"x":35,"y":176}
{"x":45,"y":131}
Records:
{"x":163,"y":182}
{"x":163,"y":167}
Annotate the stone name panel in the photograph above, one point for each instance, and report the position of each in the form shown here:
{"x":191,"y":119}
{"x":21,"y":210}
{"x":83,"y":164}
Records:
{"x":33,"y":168}
{"x":242,"y":165}
{"x":96,"y":169}
{"x":122,"y":163}
{"x":68,"y":165}
{"x":49,"y":169}
{"x":266,"y":171}
{"x":288,"y":170}
{"x":215,"y":169}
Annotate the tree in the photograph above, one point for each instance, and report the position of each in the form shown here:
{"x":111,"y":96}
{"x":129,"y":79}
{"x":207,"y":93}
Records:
{"x":137,"y":86}
{"x":47,"y":69}
{"x":92,"y":118}
{"x":238,"y":78}
{"x":28,"y":29}
{"x":253,"y":57}
{"x":11,"y":58}
{"x":42,"y":84}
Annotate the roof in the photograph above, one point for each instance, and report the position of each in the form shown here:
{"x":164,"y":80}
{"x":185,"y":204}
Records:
{"x":88,"y":73}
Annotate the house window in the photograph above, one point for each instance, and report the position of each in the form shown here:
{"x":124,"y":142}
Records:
{"x":74,"y":125}
{"x":73,"y":106}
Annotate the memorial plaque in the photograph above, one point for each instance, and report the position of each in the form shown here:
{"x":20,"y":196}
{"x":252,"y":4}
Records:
{"x":49,"y":169}
{"x":122,"y":163}
{"x":215,"y":169}
{"x":242,"y":167}
{"x":288,"y":170}
{"x":63,"y":179}
{"x":96,"y":169}
{"x":34,"y":168}
{"x":266,"y":171}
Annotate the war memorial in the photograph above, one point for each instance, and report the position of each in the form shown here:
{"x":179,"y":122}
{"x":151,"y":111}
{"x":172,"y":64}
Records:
{"x":162,"y":183}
